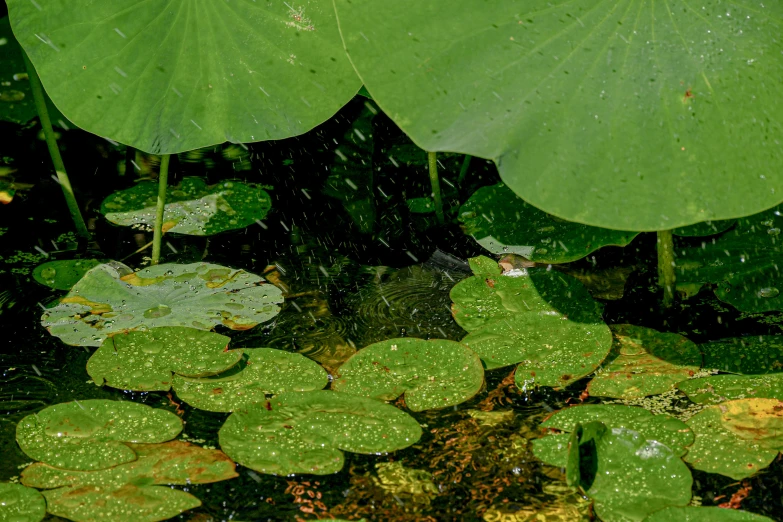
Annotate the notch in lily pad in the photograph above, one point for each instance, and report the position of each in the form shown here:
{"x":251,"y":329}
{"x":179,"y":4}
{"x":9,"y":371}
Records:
{"x":432,"y":374}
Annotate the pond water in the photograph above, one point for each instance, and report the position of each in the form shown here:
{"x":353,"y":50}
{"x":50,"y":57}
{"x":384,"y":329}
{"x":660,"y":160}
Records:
{"x":356,"y":269}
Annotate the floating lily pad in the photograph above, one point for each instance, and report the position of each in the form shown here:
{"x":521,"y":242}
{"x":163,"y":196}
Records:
{"x":720,"y":449}
{"x":145,"y":360}
{"x":553,"y":449}
{"x":745,"y":355}
{"x":21,"y":504}
{"x":502,"y":222}
{"x":483,"y":265}
{"x":644,"y":362}
{"x":304,"y":432}
{"x":720,"y":388}
{"x":192,"y":207}
{"x":704,"y":514}
{"x":432,"y":374}
{"x":62,"y":275}
{"x":197,"y":295}
{"x":705,"y":228}
{"x":266,"y":371}
{"x":90,"y":435}
{"x":759,"y":420}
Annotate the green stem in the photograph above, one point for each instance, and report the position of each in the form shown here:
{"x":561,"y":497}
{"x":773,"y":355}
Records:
{"x":666,"y":276}
{"x":432,"y":160}
{"x":51,"y":142}
{"x":157,"y":233}
{"x":463,"y":171}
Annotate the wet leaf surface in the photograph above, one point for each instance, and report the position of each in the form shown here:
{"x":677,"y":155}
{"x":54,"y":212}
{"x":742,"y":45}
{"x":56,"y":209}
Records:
{"x":20,"y":504}
{"x":745,"y":355}
{"x":721,"y":388}
{"x":432,"y":374}
{"x":192,"y":207}
{"x":62,"y":275}
{"x":704,"y":514}
{"x":197,"y":295}
{"x":758,"y":420}
{"x":306,"y":432}
{"x":644,"y":362}
{"x":90,"y":435}
{"x":266,"y":371}
{"x":145,"y":360}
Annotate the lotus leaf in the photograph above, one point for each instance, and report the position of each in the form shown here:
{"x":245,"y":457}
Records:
{"x":266,"y":371}
{"x":502,"y":222}
{"x":432,"y":374}
{"x":756,"y":419}
{"x":197,"y":295}
{"x":595,"y":113}
{"x":644,"y":362}
{"x":704,"y":514}
{"x":192,"y":207}
{"x":20,"y":504}
{"x":145,"y":360}
{"x":553,"y":449}
{"x":743,"y":262}
{"x":721,"y":388}
{"x":304,"y":432}
{"x":746,"y":355}
{"x":62,"y":275}
{"x":89,"y":435}
{"x":171,"y":78}
{"x":706,"y":228}
{"x":719,"y":449}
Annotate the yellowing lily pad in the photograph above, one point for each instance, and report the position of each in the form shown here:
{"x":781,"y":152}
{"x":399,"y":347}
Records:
{"x":197,"y":295}
{"x":266,"y":371}
{"x":145,"y":360}
{"x":758,"y":420}
{"x":62,"y":275}
{"x":644,"y":362}
{"x":704,"y":514}
{"x":192,"y":207}
{"x":306,"y":432}
{"x":21,"y":504}
{"x":756,"y":354}
{"x":432,"y":374}
{"x":90,"y":435}
{"x":721,"y":388}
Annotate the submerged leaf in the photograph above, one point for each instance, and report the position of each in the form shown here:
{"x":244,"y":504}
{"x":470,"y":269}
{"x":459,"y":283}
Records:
{"x":62,"y":275}
{"x":20,"y":504}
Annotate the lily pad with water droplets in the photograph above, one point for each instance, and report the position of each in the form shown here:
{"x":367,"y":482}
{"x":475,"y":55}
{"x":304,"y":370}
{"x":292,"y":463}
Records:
{"x":192,"y":207}
{"x":306,"y":432}
{"x":62,"y":275}
{"x":432,"y":374}
{"x":644,"y":362}
{"x":21,"y":504}
{"x":704,"y":514}
{"x":197,"y":295}
{"x":753,"y":355}
{"x":145,"y":360}
{"x":721,"y":388}
{"x":503,"y":223}
{"x":265,"y":371}
{"x":90,"y":435}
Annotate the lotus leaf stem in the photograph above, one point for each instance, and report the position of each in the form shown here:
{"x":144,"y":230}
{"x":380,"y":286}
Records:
{"x":157,"y":233}
{"x":666,"y":275}
{"x":463,"y":171}
{"x":51,"y":142}
{"x":432,"y":160}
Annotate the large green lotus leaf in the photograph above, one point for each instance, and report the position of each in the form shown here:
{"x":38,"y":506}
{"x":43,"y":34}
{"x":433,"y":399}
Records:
{"x":718,"y":449}
{"x":706,"y":228}
{"x":704,"y":514}
{"x":266,"y":371}
{"x":89,"y":435}
{"x":485,"y":298}
{"x":502,"y":222}
{"x":644,"y":362}
{"x":197,"y":295}
{"x":611,"y":114}
{"x":432,"y":374}
{"x":721,"y":388}
{"x":21,"y":504}
{"x":758,"y":420}
{"x":743,"y":262}
{"x":746,"y":355}
{"x":145,"y":360}
{"x":62,"y":275}
{"x":192,"y":207}
{"x":304,"y":432}
{"x":176,"y":77}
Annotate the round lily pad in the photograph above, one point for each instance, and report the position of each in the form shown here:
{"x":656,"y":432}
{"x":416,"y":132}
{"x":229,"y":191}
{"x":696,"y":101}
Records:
{"x":197,"y":295}
{"x":145,"y":360}
{"x":719,"y":449}
{"x":503,"y":223}
{"x":745,"y":355}
{"x":704,"y":514}
{"x":265,"y":371}
{"x":721,"y":388}
{"x":644,"y":362}
{"x":432,"y":374}
{"x":21,"y":504}
{"x":192,"y":207}
{"x":553,"y":449}
{"x":306,"y":432}
{"x":62,"y":275}
{"x":89,"y":435}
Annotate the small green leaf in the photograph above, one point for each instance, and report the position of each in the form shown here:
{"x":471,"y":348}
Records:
{"x":704,"y":514}
{"x":62,"y":275}
{"x":720,"y":388}
{"x":432,"y":374}
{"x":21,"y":504}
{"x":757,"y":354}
{"x":483,"y":265}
